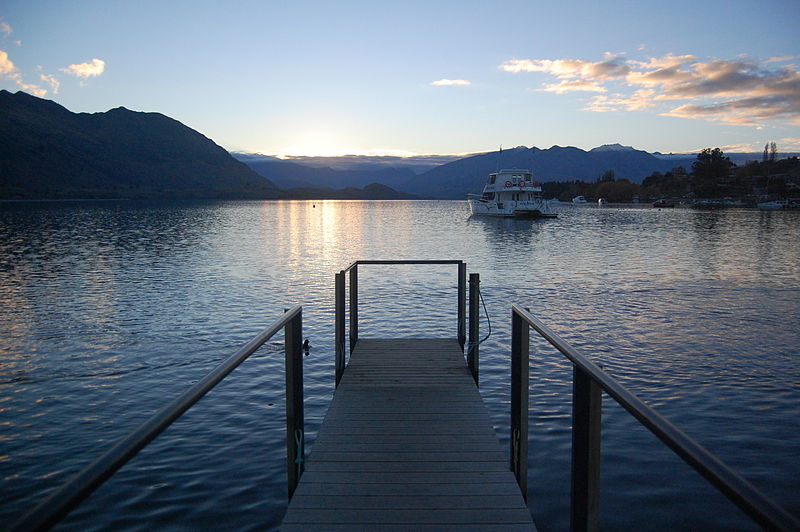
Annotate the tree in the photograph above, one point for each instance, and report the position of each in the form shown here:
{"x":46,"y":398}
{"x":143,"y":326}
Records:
{"x":616,"y":191}
{"x":708,"y":170}
{"x":607,"y":176}
{"x":712,"y":164}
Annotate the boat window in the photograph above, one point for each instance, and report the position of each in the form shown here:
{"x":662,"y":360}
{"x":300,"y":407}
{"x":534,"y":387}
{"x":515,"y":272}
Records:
{"x":491,"y":179}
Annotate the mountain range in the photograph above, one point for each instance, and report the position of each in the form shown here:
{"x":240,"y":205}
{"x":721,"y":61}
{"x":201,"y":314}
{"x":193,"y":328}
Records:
{"x":452,"y":176}
{"x":46,"y":151}
{"x":455,"y":179}
{"x":458,"y":176}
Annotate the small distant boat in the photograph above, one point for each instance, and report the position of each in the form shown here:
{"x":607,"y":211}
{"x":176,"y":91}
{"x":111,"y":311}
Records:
{"x":771,"y":206}
{"x":578,"y":200}
{"x":601,"y":202}
{"x":511,"y":193}
{"x":663,"y":204}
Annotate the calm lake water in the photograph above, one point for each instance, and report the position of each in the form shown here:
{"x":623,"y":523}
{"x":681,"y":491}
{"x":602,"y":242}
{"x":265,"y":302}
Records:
{"x":110,"y":309}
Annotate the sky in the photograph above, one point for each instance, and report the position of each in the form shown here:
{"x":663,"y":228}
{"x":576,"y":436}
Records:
{"x":428,"y":77}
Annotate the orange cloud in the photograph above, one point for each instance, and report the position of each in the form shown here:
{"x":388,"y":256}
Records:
{"x":574,"y":85}
{"x":744,"y":91}
{"x":570,"y":68}
{"x":6,"y":65}
{"x":9,"y":71}
{"x":86,"y":70}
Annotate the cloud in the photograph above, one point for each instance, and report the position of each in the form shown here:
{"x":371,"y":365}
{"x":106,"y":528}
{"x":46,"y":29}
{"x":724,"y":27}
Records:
{"x":573,"y":86}
{"x":52,"y":81}
{"x":785,"y":145}
{"x":789,"y":144}
{"x":444,"y":82}
{"x":5,"y":28}
{"x":7,"y":67}
{"x":36,"y":90}
{"x":667,"y":61}
{"x":743,"y":147}
{"x":86,"y":70}
{"x":641,"y":99}
{"x":780,"y":58}
{"x":612,"y":68}
{"x":744,"y":91}
{"x":743,"y":111}
{"x":9,"y":71}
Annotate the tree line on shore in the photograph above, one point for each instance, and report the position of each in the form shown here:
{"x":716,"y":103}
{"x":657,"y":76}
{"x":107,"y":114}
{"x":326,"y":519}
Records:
{"x":712,"y":176}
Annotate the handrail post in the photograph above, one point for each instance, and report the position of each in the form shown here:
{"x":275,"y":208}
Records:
{"x":520,"y":352}
{"x":585,"y":484}
{"x":295,"y":419}
{"x":339,"y":326}
{"x":473,"y":354}
{"x":462,"y":303}
{"x":353,"y":307}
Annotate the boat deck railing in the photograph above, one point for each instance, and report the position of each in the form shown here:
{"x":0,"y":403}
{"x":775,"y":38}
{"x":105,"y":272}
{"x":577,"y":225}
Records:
{"x":588,"y":382}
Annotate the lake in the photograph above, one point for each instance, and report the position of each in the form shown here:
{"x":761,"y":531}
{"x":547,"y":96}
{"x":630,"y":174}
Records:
{"x":110,"y":309}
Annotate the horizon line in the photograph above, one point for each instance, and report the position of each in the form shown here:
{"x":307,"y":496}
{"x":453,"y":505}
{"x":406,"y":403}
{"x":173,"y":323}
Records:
{"x":404,"y":154}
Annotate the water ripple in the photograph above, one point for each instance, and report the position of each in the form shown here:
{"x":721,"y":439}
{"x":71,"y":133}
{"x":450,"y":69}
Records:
{"x":110,"y":309}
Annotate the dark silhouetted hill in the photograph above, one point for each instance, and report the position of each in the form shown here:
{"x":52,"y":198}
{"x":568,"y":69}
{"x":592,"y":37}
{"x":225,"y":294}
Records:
{"x":46,"y":151}
{"x":455,"y":179}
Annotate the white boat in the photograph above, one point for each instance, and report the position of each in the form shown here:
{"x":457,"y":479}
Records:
{"x":578,"y":200}
{"x":601,"y":202}
{"x":511,"y":193}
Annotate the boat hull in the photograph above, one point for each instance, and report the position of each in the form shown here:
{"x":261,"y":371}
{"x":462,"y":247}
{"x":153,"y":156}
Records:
{"x":532,"y":214}
{"x":479,"y":208}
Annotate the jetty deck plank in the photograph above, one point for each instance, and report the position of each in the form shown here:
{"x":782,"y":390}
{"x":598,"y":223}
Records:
{"x":407,"y":443}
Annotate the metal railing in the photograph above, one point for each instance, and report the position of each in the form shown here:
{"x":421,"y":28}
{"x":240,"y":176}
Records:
{"x":66,"y":498}
{"x":340,"y":310}
{"x":588,"y":383}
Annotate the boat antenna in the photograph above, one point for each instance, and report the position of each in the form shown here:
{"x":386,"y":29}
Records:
{"x":499,"y":155}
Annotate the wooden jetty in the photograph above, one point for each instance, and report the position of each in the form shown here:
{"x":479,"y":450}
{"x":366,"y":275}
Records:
{"x":407,"y":444}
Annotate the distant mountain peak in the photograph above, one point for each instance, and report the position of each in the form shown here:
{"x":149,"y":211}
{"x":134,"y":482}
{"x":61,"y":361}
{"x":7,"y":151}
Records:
{"x":613,"y":147}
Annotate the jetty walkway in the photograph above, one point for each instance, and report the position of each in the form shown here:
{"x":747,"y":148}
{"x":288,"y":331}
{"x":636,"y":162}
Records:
{"x":407,"y":444}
